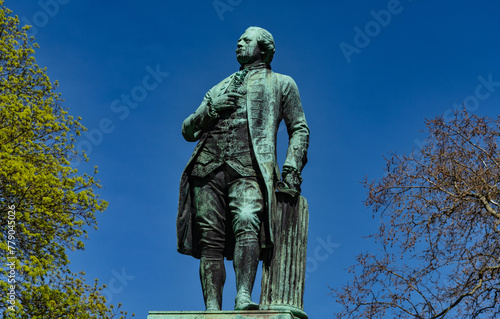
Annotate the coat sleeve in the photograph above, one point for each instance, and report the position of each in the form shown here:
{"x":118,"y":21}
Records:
{"x":296,"y":124}
{"x":200,"y":120}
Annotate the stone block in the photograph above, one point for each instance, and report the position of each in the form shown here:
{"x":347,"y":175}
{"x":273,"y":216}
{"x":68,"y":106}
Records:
{"x":260,"y":314}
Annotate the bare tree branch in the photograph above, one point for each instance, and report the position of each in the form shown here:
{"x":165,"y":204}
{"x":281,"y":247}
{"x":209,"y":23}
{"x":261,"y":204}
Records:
{"x":439,"y":212}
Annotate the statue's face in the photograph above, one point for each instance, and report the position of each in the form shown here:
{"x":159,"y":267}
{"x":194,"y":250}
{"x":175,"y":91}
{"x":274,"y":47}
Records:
{"x":247,"y":50}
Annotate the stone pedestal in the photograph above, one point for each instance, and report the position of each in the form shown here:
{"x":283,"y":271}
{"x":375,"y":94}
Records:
{"x":284,"y":268}
{"x":259,"y":314}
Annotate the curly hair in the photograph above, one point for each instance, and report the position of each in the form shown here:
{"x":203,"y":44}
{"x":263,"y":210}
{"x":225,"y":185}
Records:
{"x":266,"y":43}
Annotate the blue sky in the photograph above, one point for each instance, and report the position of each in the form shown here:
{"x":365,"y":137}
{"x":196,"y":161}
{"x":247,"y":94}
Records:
{"x":369,"y":73}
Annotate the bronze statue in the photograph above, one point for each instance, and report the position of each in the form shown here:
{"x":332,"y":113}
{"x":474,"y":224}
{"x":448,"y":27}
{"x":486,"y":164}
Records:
{"x":227,"y":191}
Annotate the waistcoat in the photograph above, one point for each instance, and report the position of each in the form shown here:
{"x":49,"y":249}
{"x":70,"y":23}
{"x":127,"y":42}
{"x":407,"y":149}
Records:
{"x":228,"y":142}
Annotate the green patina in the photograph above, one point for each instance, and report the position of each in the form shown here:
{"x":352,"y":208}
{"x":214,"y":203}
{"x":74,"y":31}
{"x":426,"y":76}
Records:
{"x":228,"y":205}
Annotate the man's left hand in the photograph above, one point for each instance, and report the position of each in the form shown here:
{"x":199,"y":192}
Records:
{"x":293,"y":180}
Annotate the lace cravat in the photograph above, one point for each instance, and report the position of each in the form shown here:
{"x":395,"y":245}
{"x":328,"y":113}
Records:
{"x":238,"y":79}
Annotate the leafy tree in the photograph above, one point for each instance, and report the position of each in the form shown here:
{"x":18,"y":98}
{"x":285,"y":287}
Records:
{"x":439,"y":235}
{"x":46,"y":207}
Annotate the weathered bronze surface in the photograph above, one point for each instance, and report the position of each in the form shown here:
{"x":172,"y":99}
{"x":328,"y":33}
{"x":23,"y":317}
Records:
{"x":227,"y":203}
{"x":283,"y":271}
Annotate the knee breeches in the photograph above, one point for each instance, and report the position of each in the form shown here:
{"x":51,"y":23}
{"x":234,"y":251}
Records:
{"x":225,"y":194}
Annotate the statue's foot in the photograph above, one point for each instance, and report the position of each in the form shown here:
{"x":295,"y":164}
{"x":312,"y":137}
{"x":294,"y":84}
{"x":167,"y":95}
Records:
{"x":246,"y":306}
{"x":213,"y":306}
{"x":245,"y":303}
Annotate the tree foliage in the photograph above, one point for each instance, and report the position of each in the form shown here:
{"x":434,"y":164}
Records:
{"x":439,"y":235}
{"x":46,"y":207}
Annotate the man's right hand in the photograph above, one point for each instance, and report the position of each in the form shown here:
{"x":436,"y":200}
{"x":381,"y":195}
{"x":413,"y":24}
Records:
{"x":225,"y":102}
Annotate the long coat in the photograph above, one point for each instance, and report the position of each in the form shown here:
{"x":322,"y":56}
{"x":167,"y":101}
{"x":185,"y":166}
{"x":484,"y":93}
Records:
{"x":271,"y":97}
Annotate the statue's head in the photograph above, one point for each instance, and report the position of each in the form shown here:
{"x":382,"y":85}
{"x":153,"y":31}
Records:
{"x":256,"y":43}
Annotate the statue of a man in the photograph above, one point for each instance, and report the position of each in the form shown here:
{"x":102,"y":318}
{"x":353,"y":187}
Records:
{"x":227,"y":192}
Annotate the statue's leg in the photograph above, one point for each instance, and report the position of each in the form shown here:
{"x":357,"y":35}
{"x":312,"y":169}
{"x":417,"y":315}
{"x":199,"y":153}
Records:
{"x":212,"y":277}
{"x":246,"y":204}
{"x":211,"y":218}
